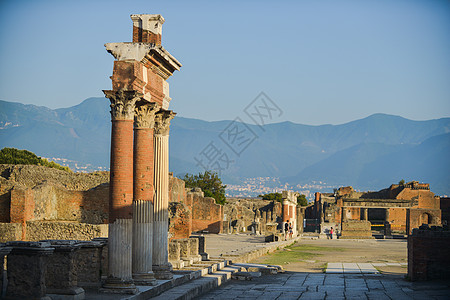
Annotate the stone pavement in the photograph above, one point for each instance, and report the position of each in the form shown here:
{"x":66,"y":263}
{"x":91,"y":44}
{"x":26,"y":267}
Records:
{"x":351,"y":268}
{"x":295,"y":285}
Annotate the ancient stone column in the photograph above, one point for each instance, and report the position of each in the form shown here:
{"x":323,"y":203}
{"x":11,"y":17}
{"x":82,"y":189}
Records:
{"x":121,"y":191}
{"x":161,"y":266}
{"x":365,"y":214}
{"x":143,"y":193}
{"x":386,"y":215}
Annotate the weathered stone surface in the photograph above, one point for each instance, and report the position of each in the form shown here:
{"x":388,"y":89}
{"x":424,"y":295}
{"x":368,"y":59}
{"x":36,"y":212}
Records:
{"x":61,"y":276}
{"x":10,"y":232}
{"x":356,"y":229}
{"x":27,"y":267}
{"x":88,"y":264}
{"x":40,"y":230}
{"x":428,"y":253}
{"x":180,"y":220}
{"x":30,"y":176}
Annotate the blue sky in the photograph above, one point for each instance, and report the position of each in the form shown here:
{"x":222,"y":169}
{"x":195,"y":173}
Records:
{"x":320,"y":61}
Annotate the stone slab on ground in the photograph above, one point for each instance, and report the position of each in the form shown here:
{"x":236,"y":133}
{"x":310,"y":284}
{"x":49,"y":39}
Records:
{"x":351,"y":268}
{"x":297,"y":285}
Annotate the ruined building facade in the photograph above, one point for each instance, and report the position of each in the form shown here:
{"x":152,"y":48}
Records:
{"x":401,"y":207}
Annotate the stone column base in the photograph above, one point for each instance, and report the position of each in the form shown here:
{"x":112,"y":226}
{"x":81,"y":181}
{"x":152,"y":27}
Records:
{"x":144,"y":279}
{"x":163,"y":271}
{"x":177,"y":264}
{"x":76,"y":293}
{"x":118,"y":286}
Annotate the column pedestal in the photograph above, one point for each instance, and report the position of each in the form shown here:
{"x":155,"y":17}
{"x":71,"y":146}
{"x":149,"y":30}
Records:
{"x":27,"y":267}
{"x":143,"y":243}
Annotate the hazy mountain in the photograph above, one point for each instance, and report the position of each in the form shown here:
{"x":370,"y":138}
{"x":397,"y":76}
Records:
{"x":369,"y":153}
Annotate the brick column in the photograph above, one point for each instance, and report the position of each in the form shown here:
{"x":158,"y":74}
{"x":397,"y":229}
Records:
{"x":143,"y":194}
{"x":285,"y":211}
{"x":121,"y":192}
{"x":161,"y":266}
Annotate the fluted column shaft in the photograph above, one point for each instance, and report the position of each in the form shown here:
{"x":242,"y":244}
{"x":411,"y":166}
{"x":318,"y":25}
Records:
{"x":161,"y":266}
{"x":121,"y":191}
{"x":143,"y":194}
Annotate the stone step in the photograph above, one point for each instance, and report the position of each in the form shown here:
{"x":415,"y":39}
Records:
{"x":200,"y":286}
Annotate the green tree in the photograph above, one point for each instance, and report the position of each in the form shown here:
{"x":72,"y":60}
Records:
{"x":302,"y":201}
{"x":401,"y":182}
{"x":13,"y":156}
{"x":210,"y":183}
{"x":272,"y":196}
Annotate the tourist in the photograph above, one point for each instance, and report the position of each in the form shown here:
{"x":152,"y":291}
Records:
{"x":290,"y":230}
{"x":286,"y":230}
{"x":331,"y":233}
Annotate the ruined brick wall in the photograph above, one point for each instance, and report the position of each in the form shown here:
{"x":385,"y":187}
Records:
{"x":423,"y":198}
{"x":415,"y":217}
{"x":180,"y":221}
{"x":206,"y":214}
{"x":397,"y":219}
{"x":445,"y":210}
{"x":36,"y":193}
{"x":428,"y":254}
{"x":241,"y":213}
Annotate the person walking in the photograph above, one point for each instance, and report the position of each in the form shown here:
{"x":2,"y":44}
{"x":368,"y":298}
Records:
{"x":331,"y":233}
{"x":291,"y":232}
{"x":286,"y":230}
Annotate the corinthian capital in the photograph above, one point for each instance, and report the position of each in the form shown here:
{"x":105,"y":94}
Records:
{"x":122,"y":103}
{"x":162,"y":121}
{"x":144,"y":114}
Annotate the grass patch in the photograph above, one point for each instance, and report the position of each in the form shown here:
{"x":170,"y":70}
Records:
{"x":296,"y":253}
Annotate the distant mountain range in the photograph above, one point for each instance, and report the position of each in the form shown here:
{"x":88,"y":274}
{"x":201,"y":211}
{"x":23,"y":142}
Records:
{"x":368,"y":154}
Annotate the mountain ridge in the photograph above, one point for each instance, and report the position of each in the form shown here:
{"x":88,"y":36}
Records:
{"x":285,"y":149}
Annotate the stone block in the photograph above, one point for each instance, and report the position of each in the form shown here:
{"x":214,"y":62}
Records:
{"x":88,"y":263}
{"x":27,"y":266}
{"x":356,"y":229}
{"x":61,"y":277}
{"x":10,"y":232}
{"x":3,"y":251}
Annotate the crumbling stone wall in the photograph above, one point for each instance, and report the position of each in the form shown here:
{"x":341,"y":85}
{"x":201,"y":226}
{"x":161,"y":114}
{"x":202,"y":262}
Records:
{"x":243,"y":213}
{"x":44,"y":230}
{"x":180,"y":221}
{"x":177,"y":191}
{"x":10,"y":232}
{"x":207,"y":215}
{"x":356,"y":229}
{"x":73,"y":205}
{"x":445,"y":210}
{"x":415,"y":217}
{"x":428,"y":253}
{"x":63,"y":201}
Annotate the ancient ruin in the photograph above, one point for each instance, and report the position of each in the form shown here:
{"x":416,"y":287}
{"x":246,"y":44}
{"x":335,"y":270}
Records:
{"x":399,"y":208}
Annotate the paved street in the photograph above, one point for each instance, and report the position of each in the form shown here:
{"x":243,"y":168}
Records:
{"x":296,"y":285}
